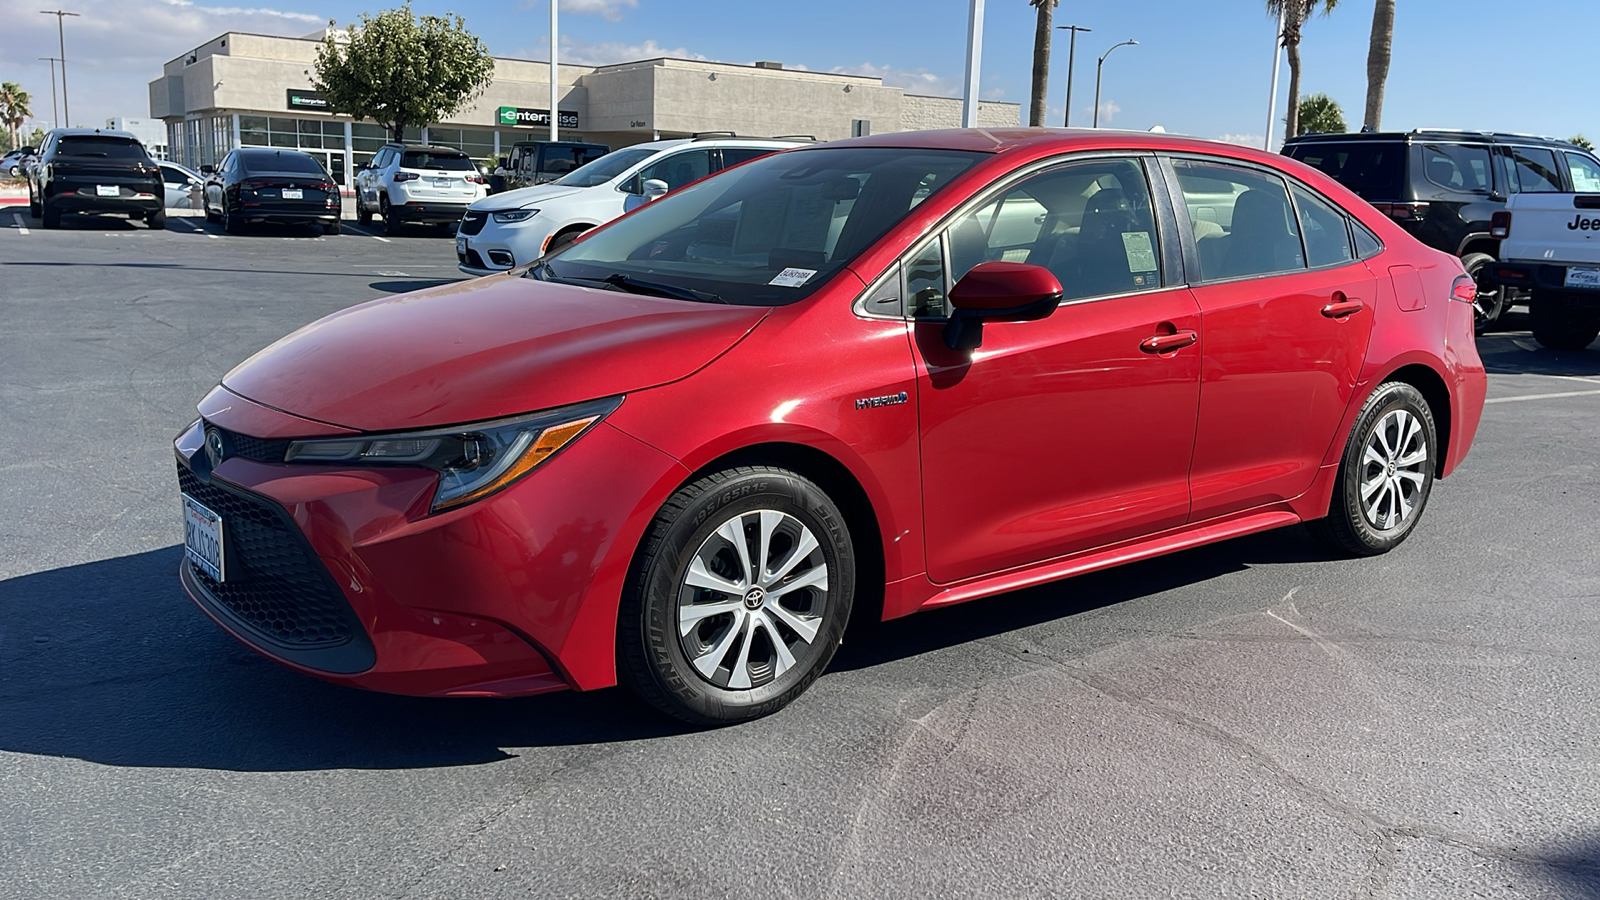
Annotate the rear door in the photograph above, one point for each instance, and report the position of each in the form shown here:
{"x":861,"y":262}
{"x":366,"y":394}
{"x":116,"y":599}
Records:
{"x":1286,"y":309}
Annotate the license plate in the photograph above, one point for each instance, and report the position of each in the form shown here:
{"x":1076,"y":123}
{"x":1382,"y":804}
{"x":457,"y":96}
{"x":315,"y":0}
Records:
{"x":461,"y":244}
{"x":1584,"y":278}
{"x":107,"y":190}
{"x":293,"y":194}
{"x":202,"y":538}
{"x":443,"y":182}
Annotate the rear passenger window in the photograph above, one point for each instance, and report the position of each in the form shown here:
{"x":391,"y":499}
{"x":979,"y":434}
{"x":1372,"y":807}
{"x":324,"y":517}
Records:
{"x":1585,"y":173}
{"x":1370,"y":168}
{"x":732,"y":156}
{"x":1326,"y":232}
{"x":1367,"y":243}
{"x":1533,"y":171}
{"x":1242,"y":221}
{"x":1456,"y":167}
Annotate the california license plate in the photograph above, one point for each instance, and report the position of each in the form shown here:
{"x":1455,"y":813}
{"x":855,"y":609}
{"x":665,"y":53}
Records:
{"x":1583,"y":278}
{"x":202,"y":538}
{"x":107,"y":190}
{"x":443,"y":182}
{"x":293,"y":194}
{"x":461,"y":244}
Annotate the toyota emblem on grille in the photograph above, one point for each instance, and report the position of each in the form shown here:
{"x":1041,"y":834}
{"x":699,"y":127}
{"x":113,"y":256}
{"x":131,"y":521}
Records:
{"x":214,"y":445}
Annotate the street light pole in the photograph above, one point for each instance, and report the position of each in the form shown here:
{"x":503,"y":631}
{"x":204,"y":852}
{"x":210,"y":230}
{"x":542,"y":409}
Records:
{"x":61,"y":35}
{"x":1272,"y":102}
{"x":555,"y":115}
{"x":54,"y":109}
{"x":969,"y":105}
{"x":1098,"y":69}
{"x":1072,"y":51}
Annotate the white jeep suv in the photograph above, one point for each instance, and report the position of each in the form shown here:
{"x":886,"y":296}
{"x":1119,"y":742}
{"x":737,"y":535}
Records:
{"x":516,"y":227}
{"x":417,"y":183}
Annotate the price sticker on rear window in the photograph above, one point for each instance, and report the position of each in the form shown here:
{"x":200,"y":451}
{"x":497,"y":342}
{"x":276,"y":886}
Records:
{"x":793,"y":277}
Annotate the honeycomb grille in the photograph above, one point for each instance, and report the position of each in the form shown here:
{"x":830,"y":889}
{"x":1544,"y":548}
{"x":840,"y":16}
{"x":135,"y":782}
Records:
{"x":236,"y":444}
{"x":274,"y":583}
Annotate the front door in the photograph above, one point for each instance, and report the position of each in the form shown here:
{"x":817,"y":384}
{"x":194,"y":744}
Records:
{"x":1074,"y":431}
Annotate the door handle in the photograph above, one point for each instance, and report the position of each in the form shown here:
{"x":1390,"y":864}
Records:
{"x":1340,"y":308}
{"x":1166,"y":343}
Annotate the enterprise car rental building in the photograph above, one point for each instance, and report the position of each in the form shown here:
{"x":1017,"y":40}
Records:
{"x":250,"y":90}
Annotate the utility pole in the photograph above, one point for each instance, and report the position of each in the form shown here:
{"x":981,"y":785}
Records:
{"x":969,"y":103}
{"x":555,"y":114}
{"x":1072,"y":51}
{"x":61,"y":35}
{"x":1099,"y":67}
{"x":1272,"y":102}
{"x":55,"y":111}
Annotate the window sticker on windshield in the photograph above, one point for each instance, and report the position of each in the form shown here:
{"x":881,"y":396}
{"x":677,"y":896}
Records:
{"x":1141,"y":255}
{"x":793,"y":277}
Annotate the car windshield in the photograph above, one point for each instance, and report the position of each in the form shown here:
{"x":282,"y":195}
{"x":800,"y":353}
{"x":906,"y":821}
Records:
{"x":450,"y":162}
{"x":282,"y":161}
{"x":605,"y":168}
{"x":763,"y":234}
{"x":102,"y":148}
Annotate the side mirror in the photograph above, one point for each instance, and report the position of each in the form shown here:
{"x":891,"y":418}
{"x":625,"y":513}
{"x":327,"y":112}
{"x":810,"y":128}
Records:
{"x":998,"y":292}
{"x":502,"y":161}
{"x":208,"y":170}
{"x":655,"y":188}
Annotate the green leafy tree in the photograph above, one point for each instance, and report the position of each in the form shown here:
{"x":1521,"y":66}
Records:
{"x":1296,"y":13}
{"x":1379,"y":51}
{"x":1320,"y":115}
{"x":400,"y":70}
{"x":1581,"y":141}
{"x":1041,"y":58}
{"x":14,"y":108}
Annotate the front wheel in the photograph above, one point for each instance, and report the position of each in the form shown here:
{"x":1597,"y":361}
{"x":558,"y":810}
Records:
{"x":1385,"y":474}
{"x":738,"y":598}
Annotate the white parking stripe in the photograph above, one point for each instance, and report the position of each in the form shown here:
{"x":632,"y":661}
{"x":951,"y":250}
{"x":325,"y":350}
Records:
{"x":212,"y":236}
{"x":1543,"y":397}
{"x":21,"y":228}
{"x":384,"y":239}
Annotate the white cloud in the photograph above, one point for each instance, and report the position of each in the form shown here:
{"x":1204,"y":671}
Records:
{"x":579,"y":52}
{"x":914,"y":81}
{"x":1108,"y":112}
{"x":1245,"y":140}
{"x":244,"y":11}
{"x":610,"y":10}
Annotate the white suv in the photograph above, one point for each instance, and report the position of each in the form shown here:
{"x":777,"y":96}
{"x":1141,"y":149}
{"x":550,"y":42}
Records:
{"x":417,"y":183}
{"x":506,"y":230}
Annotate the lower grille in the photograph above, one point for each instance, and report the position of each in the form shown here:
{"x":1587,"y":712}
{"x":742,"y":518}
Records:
{"x":471,"y":259}
{"x":473,"y":221}
{"x":275,"y":585}
{"x":258,"y":449}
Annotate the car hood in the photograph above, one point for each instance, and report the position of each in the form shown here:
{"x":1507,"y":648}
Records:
{"x":521,"y":197}
{"x":484,"y":349}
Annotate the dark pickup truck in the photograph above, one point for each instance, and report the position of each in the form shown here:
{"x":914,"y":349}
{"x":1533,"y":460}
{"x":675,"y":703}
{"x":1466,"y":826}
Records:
{"x":536,"y":162}
{"x":95,"y":171}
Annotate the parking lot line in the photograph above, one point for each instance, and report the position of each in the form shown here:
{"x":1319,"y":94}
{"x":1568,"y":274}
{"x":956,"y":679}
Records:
{"x":1543,"y":396}
{"x":21,"y":228}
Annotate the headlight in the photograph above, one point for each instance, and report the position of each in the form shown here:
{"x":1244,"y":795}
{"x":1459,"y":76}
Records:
{"x":515,"y":215}
{"x":473,"y":461}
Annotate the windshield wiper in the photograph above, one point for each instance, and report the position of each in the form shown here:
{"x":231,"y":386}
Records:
{"x":656,"y":289}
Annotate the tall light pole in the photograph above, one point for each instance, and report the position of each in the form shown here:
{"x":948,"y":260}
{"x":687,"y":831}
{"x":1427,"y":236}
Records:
{"x":969,"y":103}
{"x":61,"y":35}
{"x":54,"y":110}
{"x":555,"y":115}
{"x":1098,"y":69}
{"x":1272,"y":102}
{"x":1072,"y":51}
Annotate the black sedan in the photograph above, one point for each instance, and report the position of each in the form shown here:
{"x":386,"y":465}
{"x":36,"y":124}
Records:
{"x":264,"y":185}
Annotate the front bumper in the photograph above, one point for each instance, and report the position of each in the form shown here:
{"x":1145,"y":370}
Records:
{"x":514,"y":594}
{"x":1539,"y":276}
{"x":499,"y":246}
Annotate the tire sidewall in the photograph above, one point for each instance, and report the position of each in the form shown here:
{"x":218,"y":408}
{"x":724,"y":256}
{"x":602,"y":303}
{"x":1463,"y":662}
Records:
{"x":1389,"y":397}
{"x":684,"y":534}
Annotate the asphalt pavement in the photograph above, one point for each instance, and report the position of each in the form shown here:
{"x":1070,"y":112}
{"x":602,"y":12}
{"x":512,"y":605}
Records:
{"x":1251,"y":719}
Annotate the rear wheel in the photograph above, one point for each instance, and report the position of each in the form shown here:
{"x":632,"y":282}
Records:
{"x":157,"y":220}
{"x":391,"y":226}
{"x":332,"y":228}
{"x":230,"y":223}
{"x":1491,"y":297}
{"x":738,"y":598}
{"x":1385,"y":475}
{"x":51,"y":215}
{"x":1561,"y":323}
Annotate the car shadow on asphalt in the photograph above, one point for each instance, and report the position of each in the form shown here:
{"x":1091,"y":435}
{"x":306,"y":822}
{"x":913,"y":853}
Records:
{"x":1511,"y":350}
{"x":110,"y":663}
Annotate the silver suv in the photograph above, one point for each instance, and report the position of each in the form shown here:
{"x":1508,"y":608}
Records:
{"x":417,"y":183}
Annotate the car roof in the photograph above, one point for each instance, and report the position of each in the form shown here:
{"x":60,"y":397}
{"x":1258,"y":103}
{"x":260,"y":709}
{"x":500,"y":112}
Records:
{"x":263,"y":151}
{"x":718,"y":141}
{"x":1432,"y":135}
{"x":92,"y":132}
{"x":1041,"y":141}
{"x":427,"y":148}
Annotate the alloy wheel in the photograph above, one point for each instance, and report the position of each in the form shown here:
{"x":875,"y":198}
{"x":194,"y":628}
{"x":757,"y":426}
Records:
{"x":752,"y":600}
{"x":1392,"y":470}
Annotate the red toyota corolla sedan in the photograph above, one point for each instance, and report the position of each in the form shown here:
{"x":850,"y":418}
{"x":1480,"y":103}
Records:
{"x":880,"y":375}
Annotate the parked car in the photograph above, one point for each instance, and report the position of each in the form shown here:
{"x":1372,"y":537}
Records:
{"x":1444,"y":187}
{"x":870,"y":377}
{"x":506,"y":230}
{"x":536,"y":162}
{"x":95,"y":171}
{"x":256,"y":185}
{"x":183,"y":185}
{"x":1551,"y":248}
{"x":417,"y":183}
{"x":12,"y":164}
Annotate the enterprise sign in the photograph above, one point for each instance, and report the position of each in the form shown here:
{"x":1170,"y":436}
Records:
{"x":299,"y":99}
{"x":518,"y":116}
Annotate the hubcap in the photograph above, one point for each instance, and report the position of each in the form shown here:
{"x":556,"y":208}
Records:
{"x":1393,"y":470}
{"x":752,"y":601}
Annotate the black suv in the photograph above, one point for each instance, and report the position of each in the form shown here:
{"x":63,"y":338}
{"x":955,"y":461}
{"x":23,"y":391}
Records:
{"x":1443,"y":186}
{"x":536,"y":162}
{"x":91,"y":170}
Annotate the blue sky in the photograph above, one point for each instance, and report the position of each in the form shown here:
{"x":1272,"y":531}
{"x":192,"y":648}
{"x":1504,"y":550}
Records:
{"x":1200,"y":68}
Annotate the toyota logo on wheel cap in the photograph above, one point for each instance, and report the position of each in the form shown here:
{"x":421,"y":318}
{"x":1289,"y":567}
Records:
{"x":754,"y":597}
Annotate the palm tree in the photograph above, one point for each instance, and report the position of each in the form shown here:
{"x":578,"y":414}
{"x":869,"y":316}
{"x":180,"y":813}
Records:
{"x":14,"y":108}
{"x":1378,"y":60}
{"x":1041,"y":58}
{"x":1319,"y":114}
{"x":1295,"y":15}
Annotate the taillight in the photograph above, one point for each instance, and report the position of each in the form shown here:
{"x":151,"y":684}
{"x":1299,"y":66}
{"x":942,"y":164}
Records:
{"x":1500,"y":225}
{"x":1403,"y":212}
{"x":406,"y":176}
{"x":1464,"y":290}
{"x":477,"y":179}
